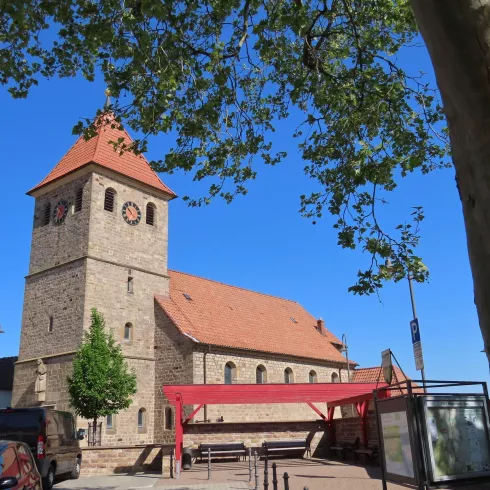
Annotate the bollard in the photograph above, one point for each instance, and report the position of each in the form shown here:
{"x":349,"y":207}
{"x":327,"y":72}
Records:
{"x":256,"y":472}
{"x":274,"y":476}
{"x":209,"y":464}
{"x":306,"y":488}
{"x":171,"y":463}
{"x":249,"y":464}
{"x":266,"y":474}
{"x":286,"y":481}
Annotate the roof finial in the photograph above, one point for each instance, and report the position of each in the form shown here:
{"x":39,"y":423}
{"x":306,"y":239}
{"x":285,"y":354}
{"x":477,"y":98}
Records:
{"x":108,"y":102}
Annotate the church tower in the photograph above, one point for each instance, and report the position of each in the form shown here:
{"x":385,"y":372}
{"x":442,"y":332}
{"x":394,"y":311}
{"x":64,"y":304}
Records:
{"x":99,"y":240}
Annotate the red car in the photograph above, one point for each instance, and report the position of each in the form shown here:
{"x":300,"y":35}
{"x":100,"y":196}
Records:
{"x":17,"y":467}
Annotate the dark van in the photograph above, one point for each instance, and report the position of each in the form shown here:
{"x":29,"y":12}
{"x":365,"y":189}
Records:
{"x":50,"y":434}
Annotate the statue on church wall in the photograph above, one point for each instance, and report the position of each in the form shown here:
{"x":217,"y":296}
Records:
{"x":40,"y":385}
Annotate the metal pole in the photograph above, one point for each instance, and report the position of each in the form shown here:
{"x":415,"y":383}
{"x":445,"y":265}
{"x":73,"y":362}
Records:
{"x":286,"y":481}
{"x":249,"y":464}
{"x":414,"y":311}
{"x":256,"y":472}
{"x":209,"y":464}
{"x":171,"y":463}
{"x":274,"y":476}
{"x":266,"y":474}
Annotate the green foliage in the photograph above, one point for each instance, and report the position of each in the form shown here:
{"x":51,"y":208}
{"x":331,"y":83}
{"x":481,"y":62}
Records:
{"x":101,"y":383}
{"x":220,"y":74}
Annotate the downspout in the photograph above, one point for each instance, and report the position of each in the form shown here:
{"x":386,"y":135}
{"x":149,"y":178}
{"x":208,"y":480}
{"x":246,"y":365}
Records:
{"x":205,"y":380}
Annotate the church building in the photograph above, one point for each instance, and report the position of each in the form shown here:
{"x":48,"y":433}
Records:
{"x":99,"y":240}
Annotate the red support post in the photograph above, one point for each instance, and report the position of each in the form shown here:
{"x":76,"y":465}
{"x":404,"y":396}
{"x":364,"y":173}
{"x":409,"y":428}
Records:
{"x":192,"y":415}
{"x":363,"y":409}
{"x":316,"y":410}
{"x":179,"y":435}
{"x":330,"y":430}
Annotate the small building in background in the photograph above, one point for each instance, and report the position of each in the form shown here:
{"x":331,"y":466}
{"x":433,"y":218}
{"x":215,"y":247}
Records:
{"x":6,"y":380}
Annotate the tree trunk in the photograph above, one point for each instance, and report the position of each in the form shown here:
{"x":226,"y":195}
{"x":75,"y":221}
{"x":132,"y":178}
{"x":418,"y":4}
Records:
{"x":457,"y":35}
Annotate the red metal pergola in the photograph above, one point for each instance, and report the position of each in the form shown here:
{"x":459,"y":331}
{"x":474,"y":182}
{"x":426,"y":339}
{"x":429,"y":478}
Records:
{"x":334,"y":394}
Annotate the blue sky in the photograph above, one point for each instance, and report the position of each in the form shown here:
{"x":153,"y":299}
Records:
{"x":260,"y":241}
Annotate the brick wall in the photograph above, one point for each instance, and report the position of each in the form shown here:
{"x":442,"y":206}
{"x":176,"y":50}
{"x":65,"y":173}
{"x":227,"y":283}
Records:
{"x":349,"y":428}
{"x":125,"y":459}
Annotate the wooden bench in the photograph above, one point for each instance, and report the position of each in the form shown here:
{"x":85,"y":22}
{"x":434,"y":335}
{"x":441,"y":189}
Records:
{"x":223,"y":450}
{"x":346,"y":446}
{"x":370,"y":452}
{"x":286,"y":447}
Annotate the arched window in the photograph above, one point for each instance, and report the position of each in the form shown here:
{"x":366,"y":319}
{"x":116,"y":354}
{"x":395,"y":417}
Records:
{"x":335,"y":378}
{"x":150,"y":214}
{"x":141,"y":418}
{"x":288,"y":375}
{"x":260,"y":374}
{"x":110,"y":422}
{"x":109,"y":200}
{"x":47,"y":214}
{"x":169,"y":418}
{"x":78,"y":201}
{"x":128,"y":331}
{"x":230,"y":373}
{"x":313,"y":378}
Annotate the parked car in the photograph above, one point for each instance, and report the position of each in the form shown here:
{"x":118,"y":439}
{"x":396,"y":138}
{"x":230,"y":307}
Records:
{"x":18,"y":469}
{"x":50,"y":435}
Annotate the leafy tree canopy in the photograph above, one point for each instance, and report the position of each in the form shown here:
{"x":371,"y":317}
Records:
{"x":221,"y":73}
{"x":101,"y":383}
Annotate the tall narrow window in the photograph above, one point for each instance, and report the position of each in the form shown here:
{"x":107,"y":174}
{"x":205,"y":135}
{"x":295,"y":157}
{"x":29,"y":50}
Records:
{"x":130,"y":285}
{"x":128,"y":331}
{"x":78,"y":200}
{"x":313,"y":377}
{"x":288,"y":375}
{"x":169,"y":418}
{"x":109,"y":200}
{"x":47,"y":214}
{"x":230,"y":373}
{"x":109,"y":422}
{"x":335,"y":378}
{"x":150,"y":214}
{"x":260,"y":374}
{"x":141,"y":418}
{"x":50,"y":328}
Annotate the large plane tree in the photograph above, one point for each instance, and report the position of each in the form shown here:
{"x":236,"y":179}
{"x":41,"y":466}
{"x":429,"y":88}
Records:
{"x":221,"y":74}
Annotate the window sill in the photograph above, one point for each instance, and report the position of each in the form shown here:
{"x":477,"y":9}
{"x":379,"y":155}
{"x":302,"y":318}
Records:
{"x":141,"y":430}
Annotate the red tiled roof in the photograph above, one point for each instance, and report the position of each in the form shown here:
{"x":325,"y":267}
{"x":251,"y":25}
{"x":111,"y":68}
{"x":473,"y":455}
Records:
{"x":229,"y":316}
{"x":98,"y":150}
{"x":370,"y":375}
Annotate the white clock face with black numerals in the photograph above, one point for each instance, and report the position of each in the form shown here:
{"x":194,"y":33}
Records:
{"x":131,"y":213}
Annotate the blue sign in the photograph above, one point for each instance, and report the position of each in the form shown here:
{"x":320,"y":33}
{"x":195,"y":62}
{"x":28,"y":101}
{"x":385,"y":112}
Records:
{"x":414,"y":327}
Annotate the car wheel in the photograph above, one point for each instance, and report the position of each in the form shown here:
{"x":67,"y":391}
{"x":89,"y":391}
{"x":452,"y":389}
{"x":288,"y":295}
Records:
{"x":48,"y":480}
{"x":76,"y":470}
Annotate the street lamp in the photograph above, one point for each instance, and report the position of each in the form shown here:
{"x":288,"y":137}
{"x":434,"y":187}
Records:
{"x":414,"y":311}
{"x":345,"y":349}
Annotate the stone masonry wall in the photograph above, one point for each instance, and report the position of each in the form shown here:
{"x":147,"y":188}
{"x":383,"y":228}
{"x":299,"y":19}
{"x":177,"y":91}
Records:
{"x":58,"y":293}
{"x":55,"y":244}
{"x":346,"y":430}
{"x":254,"y":434}
{"x":246,"y":364}
{"x":111,"y":238}
{"x":173,"y":365}
{"x":126,"y":459}
{"x":58,"y":367}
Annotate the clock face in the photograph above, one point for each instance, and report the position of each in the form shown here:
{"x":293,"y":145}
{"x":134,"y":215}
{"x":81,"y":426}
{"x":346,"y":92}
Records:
{"x":60,"y":212}
{"x":131,"y":213}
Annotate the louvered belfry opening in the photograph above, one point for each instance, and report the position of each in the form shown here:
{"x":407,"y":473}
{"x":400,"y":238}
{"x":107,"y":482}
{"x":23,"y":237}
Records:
{"x":79,"y":200}
{"x":47,"y":214}
{"x":150,"y":214}
{"x":109,"y":200}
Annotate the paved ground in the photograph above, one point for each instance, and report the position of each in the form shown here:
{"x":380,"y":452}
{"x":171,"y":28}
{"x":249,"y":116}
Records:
{"x":316,"y":474}
{"x":112,"y":482}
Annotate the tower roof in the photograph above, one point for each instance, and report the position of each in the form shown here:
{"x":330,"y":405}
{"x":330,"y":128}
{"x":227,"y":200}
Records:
{"x":98,"y":150}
